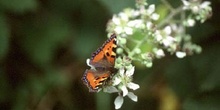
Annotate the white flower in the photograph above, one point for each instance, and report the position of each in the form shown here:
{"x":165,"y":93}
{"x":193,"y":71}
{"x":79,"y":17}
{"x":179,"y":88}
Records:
{"x":164,"y":37}
{"x":149,"y":25}
{"x":202,"y":10}
{"x":123,"y":16}
{"x":125,"y":80}
{"x":190,"y":22}
{"x":151,"y":9}
{"x":159,"y":53}
{"x":116,"y":20}
{"x":135,"y":13}
{"x":118,"y":29}
{"x":128,"y":30}
{"x":195,"y":9}
{"x":177,"y":28}
{"x":122,"y":81}
{"x":158,"y":36}
{"x":180,"y":54}
{"x":168,"y":41}
{"x":155,"y":16}
{"x":138,"y":23}
{"x":167,"y":30}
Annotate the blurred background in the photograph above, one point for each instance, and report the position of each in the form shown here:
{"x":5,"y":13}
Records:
{"x":44,"y":45}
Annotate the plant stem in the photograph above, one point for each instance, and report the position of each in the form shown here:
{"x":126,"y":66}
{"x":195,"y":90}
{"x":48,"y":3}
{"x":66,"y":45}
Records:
{"x":137,"y":46}
{"x":168,"y":5}
{"x":169,"y":17}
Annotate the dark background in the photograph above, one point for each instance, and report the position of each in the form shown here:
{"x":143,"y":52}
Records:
{"x":44,"y":45}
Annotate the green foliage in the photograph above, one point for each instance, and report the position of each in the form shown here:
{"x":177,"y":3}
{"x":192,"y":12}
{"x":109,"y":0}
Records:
{"x":19,"y":6}
{"x":116,"y":6}
{"x":44,"y":45}
{"x":4,"y":36}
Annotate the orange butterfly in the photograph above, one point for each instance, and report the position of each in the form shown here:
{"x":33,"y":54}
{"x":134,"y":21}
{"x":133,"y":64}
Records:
{"x":102,"y":65}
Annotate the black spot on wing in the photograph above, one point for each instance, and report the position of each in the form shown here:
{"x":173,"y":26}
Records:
{"x":107,"y":53}
{"x":112,"y":56}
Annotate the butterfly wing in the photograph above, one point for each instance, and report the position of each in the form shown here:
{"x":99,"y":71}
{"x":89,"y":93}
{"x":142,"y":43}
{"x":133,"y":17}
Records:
{"x":105,"y":55}
{"x":95,"y":79}
{"x":103,"y":61}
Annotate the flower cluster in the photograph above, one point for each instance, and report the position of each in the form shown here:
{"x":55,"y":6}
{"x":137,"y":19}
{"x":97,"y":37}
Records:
{"x":142,"y":36}
{"x":200,"y":10}
{"x":131,"y":20}
{"x":122,"y":81}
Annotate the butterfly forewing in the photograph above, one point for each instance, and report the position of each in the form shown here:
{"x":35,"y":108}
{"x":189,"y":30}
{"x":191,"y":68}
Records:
{"x":106,"y":52}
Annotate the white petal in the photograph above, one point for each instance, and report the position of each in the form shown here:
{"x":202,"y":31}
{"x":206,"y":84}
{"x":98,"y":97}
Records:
{"x":135,"y":13}
{"x":186,"y":3}
{"x":158,"y":36}
{"x":121,"y":71}
{"x":195,"y":9}
{"x":116,"y":81}
{"x":205,"y":4}
{"x":180,"y":54}
{"x":116,"y":20}
{"x":133,"y":86}
{"x":124,"y":90}
{"x":118,"y":29}
{"x":128,"y":30}
{"x":151,"y":9}
{"x":155,"y":16}
{"x":110,"y":89}
{"x":131,"y":23}
{"x":118,"y":102}
{"x":191,"y":22}
{"x":159,"y":53}
{"x":132,"y":96}
{"x":168,"y":41}
{"x":139,"y":23}
{"x":130,"y":72}
{"x":149,"y":64}
{"x":149,"y":25}
{"x":167,"y":30}
{"x":123,"y":16}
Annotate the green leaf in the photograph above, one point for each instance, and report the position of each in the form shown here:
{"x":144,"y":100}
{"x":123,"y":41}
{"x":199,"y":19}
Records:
{"x":42,"y":37}
{"x":162,"y":10}
{"x":4,"y":86}
{"x":4,"y":35}
{"x":204,"y":102}
{"x":181,"y":77}
{"x":207,"y":68}
{"x":18,"y":5}
{"x":87,"y":42}
{"x":115,"y":6}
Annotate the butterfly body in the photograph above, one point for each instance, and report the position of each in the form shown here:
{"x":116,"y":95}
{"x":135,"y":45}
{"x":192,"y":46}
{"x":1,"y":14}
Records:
{"x":102,"y":65}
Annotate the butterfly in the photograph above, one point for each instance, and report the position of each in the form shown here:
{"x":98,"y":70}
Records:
{"x":102,"y":65}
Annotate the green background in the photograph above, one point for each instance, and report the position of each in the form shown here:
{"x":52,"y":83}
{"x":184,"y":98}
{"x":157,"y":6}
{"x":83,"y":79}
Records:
{"x":44,"y":45}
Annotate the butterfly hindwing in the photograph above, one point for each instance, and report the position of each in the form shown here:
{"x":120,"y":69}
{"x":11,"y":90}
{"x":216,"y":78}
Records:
{"x":95,"y":79}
